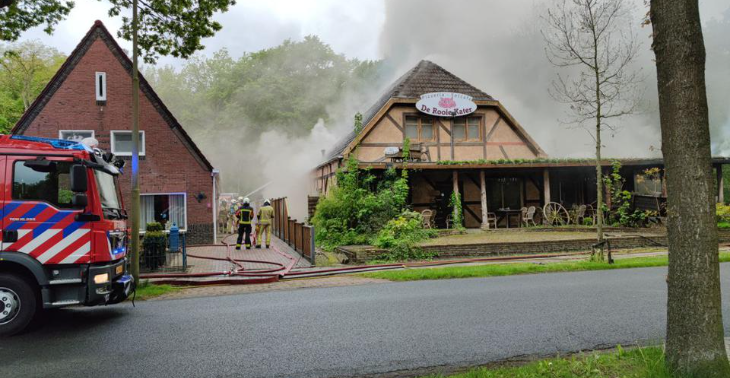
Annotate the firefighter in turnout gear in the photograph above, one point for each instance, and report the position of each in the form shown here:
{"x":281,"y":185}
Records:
{"x":265,"y":217}
{"x":244,"y":215}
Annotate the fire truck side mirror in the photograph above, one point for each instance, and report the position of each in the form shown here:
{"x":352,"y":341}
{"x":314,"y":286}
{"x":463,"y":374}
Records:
{"x":79,"y":182}
{"x":80,"y":200}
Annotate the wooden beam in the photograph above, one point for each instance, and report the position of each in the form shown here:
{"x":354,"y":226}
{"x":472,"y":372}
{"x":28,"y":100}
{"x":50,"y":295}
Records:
{"x":472,"y":213}
{"x":483,"y":186}
{"x":472,"y":179}
{"x":491,"y":131}
{"x":503,"y":152}
{"x":438,"y":142}
{"x":546,"y":185}
{"x":387,"y":115}
{"x":429,"y":182}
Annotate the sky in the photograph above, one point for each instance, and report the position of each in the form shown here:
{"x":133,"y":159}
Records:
{"x":351,"y":27}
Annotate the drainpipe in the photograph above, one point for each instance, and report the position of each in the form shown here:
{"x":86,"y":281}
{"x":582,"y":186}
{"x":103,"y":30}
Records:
{"x":214,"y":174}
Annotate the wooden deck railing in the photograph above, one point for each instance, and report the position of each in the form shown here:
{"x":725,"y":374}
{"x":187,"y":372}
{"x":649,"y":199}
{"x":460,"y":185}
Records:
{"x":297,"y":234}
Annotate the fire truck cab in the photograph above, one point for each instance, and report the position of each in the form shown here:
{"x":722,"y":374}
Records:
{"x":63,"y":228}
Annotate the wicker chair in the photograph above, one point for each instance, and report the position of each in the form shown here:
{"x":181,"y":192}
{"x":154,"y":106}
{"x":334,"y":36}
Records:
{"x":427,"y":216}
{"x":528,"y":216}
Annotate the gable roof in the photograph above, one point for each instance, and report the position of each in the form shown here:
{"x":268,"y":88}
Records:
{"x":99,"y":31}
{"x":425,"y":77}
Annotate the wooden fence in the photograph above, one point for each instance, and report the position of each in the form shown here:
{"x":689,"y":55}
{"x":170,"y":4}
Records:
{"x":298,"y":235}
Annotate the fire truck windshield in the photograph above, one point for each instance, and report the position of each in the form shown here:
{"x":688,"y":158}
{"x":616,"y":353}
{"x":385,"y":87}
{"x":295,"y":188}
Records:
{"x":108,"y":195}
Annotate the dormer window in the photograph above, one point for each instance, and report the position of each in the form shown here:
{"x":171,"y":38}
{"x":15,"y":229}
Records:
{"x":101,"y":88}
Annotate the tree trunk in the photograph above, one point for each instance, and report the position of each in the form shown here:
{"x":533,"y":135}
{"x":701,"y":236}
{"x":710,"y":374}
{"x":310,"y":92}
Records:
{"x":695,"y":344}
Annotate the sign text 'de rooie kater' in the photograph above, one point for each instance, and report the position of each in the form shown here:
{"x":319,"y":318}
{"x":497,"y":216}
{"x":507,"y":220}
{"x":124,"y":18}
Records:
{"x":446,"y":104}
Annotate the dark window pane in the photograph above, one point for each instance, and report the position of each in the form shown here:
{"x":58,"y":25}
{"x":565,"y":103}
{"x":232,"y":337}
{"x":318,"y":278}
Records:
{"x":53,"y":187}
{"x":163,"y":208}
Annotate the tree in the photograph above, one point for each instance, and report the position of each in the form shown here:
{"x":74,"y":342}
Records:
{"x":160,"y":27}
{"x":227,"y":103}
{"x":25,"y":69}
{"x":596,"y":39}
{"x":17,"y":16}
{"x":694,"y":345}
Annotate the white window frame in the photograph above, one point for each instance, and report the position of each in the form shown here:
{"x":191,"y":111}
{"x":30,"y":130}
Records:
{"x":185,"y":200}
{"x":142,"y":148}
{"x":60,"y":133}
{"x":100,"y":89}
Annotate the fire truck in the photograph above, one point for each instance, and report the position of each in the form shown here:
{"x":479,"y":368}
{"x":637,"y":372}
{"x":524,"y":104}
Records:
{"x":64,"y":230}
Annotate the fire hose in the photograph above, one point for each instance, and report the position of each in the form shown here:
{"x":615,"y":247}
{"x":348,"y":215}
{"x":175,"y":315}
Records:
{"x":237,"y":275}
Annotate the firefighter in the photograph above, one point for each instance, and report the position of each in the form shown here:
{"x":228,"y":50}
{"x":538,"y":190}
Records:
{"x":244,"y":215}
{"x":265,"y":217}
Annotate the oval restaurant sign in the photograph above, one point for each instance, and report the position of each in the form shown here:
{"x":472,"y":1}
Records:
{"x":446,"y":104}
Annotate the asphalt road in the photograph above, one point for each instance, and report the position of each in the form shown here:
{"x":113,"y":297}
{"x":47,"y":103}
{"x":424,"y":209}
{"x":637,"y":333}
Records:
{"x":349,"y":331}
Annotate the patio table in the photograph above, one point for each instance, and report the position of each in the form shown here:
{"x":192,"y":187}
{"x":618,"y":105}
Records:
{"x":508,"y":213}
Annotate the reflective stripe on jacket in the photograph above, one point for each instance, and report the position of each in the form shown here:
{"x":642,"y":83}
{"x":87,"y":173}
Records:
{"x":244,"y":215}
{"x":266,"y":214}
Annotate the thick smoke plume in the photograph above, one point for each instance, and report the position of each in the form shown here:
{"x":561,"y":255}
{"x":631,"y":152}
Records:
{"x":498,"y":47}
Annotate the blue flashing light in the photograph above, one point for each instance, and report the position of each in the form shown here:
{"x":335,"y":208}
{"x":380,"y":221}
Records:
{"x":56,"y":143}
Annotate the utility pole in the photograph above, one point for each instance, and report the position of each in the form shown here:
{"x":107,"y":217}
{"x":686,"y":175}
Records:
{"x":135,"y":145}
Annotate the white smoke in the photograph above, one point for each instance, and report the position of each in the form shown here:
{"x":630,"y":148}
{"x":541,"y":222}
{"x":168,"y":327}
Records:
{"x":497,"y":46}
{"x":287,"y":163}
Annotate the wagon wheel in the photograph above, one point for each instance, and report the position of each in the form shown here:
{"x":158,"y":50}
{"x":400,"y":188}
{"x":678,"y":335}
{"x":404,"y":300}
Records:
{"x":555,"y":214}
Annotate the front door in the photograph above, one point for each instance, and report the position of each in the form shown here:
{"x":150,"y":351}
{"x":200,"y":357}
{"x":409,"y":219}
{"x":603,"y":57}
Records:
{"x":39,"y":218}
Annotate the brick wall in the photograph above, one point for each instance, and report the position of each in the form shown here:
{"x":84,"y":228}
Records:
{"x":167,"y":167}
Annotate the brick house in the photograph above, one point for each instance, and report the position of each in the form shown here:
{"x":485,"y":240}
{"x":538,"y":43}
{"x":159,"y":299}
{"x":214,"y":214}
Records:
{"x":91,"y":96}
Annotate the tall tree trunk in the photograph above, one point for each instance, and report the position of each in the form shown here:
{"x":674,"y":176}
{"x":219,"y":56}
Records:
{"x":695,"y":344}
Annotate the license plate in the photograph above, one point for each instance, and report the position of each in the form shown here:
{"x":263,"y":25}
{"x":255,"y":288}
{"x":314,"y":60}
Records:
{"x":120,"y":269}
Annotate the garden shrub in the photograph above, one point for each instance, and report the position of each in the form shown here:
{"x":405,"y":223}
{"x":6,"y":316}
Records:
{"x":457,"y":212}
{"x":154,"y":245}
{"x":621,"y":213}
{"x":359,"y":206}
{"x":400,"y":236}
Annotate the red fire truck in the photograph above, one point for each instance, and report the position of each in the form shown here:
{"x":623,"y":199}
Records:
{"x":64,"y":230}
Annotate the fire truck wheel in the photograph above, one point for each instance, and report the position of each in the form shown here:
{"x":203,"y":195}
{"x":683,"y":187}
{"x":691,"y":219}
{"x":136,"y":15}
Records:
{"x":19,"y":304}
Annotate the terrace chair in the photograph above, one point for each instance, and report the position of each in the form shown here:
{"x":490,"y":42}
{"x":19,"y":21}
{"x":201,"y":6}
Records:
{"x":528,"y":216}
{"x":427,"y":216}
{"x":491,"y":220}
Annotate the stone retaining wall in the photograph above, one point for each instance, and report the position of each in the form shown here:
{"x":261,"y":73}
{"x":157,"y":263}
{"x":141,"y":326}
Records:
{"x":359,"y":254}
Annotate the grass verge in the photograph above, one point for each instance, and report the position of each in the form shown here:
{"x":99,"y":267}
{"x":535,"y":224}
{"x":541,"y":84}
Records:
{"x":492,"y":270}
{"x":147,"y":290}
{"x":634,"y":363}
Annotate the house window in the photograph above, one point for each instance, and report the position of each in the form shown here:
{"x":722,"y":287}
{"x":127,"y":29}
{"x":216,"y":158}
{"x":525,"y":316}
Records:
{"x":467,"y":129}
{"x":167,"y":208}
{"x":75,"y":135}
{"x":419,"y":128}
{"x":51,"y":184}
{"x":122,"y":143}
{"x":101,"y":86}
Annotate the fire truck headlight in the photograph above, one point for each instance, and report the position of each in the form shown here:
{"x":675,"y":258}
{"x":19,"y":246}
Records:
{"x":101,"y":278}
